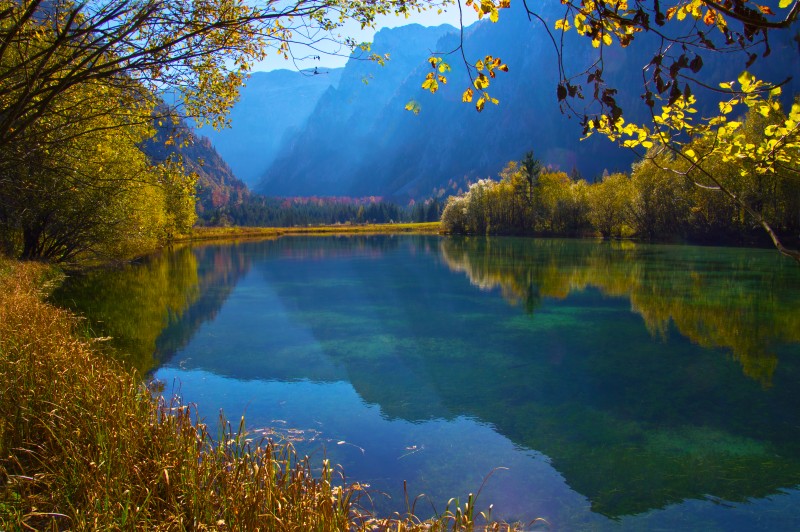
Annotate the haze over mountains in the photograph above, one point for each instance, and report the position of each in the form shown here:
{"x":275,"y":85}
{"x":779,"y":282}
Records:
{"x":346,"y":133}
{"x":273,"y":106}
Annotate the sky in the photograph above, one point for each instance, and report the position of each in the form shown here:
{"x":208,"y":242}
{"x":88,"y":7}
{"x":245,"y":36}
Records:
{"x":335,"y":60}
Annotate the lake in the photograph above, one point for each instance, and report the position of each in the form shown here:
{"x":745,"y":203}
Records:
{"x":599,"y":385}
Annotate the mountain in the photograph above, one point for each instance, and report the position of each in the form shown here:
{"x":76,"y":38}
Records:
{"x":217,"y":186}
{"x":272,"y":106}
{"x":359,"y":140}
{"x":320,"y":159}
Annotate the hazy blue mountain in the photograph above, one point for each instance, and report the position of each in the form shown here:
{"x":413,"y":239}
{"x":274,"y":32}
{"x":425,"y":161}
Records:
{"x":321,"y":159}
{"x":272,"y":106}
{"x":359,"y":140}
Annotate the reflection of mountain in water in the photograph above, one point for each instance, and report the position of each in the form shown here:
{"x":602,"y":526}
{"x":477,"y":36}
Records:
{"x":634,"y":417}
{"x":218,"y":272}
{"x":632,"y":422}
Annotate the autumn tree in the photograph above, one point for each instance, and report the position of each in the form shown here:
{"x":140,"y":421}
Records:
{"x":609,"y":204}
{"x":93,"y":194}
{"x":80,"y":83}
{"x":678,"y":35}
{"x":201,"y":51}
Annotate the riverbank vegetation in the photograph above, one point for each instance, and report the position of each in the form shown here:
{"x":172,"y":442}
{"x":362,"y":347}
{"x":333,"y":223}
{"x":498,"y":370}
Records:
{"x":664,"y":198}
{"x":238,"y":232}
{"x":84,"y":445}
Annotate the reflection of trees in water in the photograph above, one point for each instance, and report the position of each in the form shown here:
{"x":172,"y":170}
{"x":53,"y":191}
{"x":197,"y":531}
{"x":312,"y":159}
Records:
{"x":166,"y":298}
{"x":733,"y":299}
{"x":219,"y":270}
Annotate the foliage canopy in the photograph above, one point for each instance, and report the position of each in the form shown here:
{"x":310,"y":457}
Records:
{"x":678,"y":34}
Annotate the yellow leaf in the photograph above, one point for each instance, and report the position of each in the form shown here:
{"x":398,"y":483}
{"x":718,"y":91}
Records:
{"x":579,"y":20}
{"x":431,"y":84}
{"x":607,"y":39}
{"x":481,"y":82}
{"x":746,"y":79}
{"x":467,"y":96}
{"x":480,"y":103}
{"x":563,"y":24}
{"x":783,"y":4}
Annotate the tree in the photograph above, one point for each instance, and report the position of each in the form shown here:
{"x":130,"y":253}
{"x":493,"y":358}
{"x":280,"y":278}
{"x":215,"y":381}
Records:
{"x":532,"y":168}
{"x":678,"y":33}
{"x":609,"y":204}
{"x":660,"y":204}
{"x":80,"y":83}
{"x":93,"y":194}
{"x":201,"y":50}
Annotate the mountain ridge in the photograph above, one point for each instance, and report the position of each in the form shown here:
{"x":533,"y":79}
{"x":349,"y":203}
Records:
{"x":380,"y":149}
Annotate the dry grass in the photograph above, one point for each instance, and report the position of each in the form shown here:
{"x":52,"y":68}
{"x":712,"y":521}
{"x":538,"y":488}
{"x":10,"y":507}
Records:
{"x":224,"y":233}
{"x":84,"y":446}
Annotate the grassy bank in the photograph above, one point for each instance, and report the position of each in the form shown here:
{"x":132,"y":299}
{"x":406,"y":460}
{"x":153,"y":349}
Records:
{"x":213,"y":233}
{"x":85,"y":446}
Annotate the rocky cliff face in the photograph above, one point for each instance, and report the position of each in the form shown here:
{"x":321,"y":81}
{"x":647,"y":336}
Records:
{"x":272,"y":108}
{"x":360,"y":141}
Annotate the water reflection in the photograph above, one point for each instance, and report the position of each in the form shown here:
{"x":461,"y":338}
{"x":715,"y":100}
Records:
{"x":375,"y":341}
{"x":716,"y":297}
{"x":150,"y":309}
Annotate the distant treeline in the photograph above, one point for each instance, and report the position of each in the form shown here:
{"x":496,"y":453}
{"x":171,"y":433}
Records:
{"x":262,"y":211}
{"x":663,"y":198}
{"x":651,"y":203}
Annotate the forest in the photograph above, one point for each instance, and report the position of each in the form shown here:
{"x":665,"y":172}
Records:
{"x":662,"y":199}
{"x":263,"y":211}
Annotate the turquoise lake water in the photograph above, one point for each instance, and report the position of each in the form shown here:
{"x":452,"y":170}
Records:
{"x":601,"y":385}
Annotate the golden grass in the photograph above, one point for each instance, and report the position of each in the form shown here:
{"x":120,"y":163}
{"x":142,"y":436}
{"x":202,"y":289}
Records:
{"x":214,"y":233}
{"x":85,"y":446}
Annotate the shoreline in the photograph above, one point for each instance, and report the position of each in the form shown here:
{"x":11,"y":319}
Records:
{"x":238,"y":232}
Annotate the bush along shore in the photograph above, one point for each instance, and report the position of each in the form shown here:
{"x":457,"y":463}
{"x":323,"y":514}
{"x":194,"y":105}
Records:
{"x":85,"y":445}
